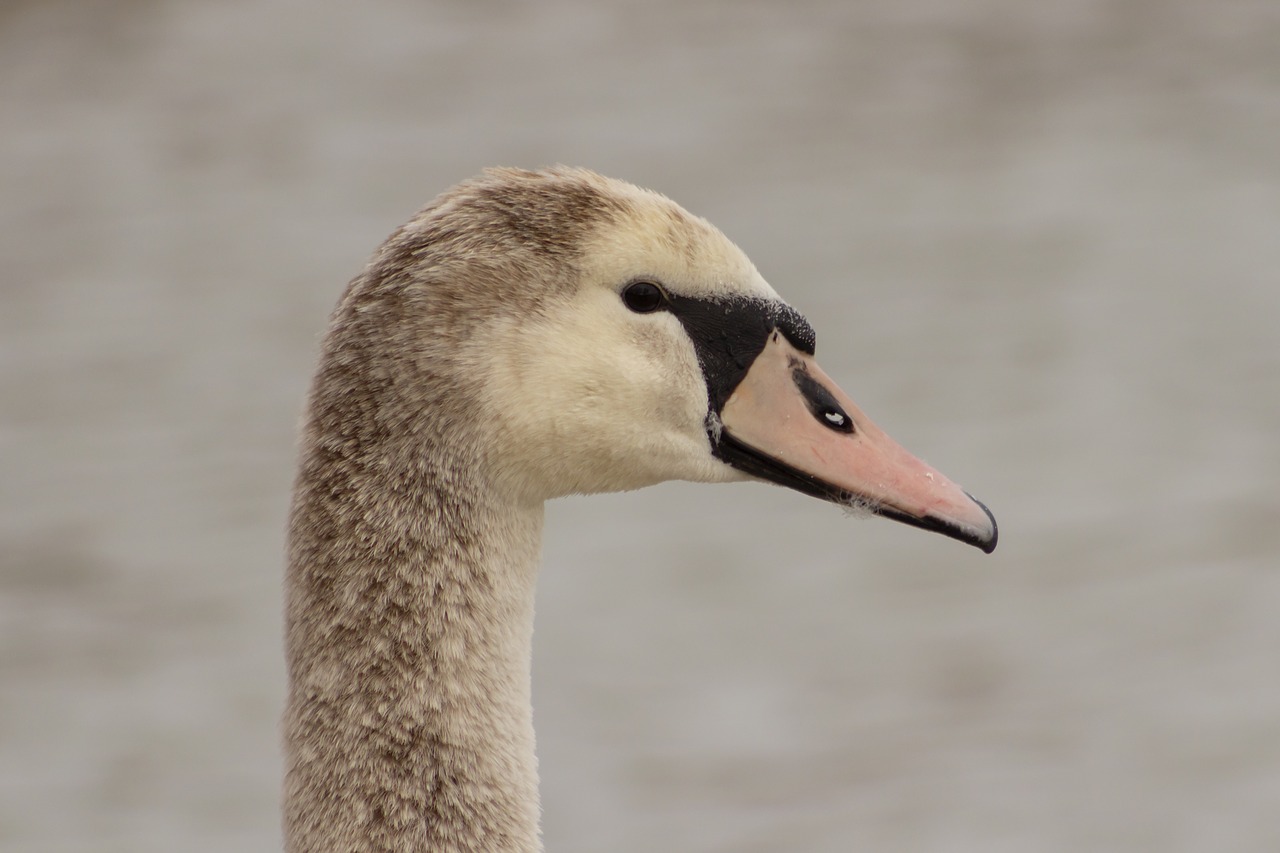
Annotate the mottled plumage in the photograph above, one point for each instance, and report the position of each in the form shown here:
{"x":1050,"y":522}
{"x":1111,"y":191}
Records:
{"x":483,"y":362}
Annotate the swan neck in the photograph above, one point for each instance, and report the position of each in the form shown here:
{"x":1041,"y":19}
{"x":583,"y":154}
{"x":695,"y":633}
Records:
{"x":410,"y":618}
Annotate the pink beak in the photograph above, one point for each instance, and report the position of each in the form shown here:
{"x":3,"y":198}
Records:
{"x":787,"y":421}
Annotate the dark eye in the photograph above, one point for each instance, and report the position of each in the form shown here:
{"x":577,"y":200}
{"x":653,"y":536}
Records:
{"x":644,"y":297}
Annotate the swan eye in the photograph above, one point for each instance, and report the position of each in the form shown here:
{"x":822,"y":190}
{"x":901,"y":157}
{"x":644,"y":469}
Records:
{"x":644,"y":297}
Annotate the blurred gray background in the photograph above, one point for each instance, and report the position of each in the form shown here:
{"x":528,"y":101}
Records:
{"x":1040,"y":244}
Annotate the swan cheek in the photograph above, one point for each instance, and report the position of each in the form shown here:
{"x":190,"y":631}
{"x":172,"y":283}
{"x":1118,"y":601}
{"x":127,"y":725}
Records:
{"x":592,"y":403}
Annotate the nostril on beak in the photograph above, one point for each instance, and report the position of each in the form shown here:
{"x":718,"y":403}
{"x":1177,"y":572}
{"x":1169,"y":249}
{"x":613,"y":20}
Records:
{"x":821,"y":402}
{"x":835,"y":418}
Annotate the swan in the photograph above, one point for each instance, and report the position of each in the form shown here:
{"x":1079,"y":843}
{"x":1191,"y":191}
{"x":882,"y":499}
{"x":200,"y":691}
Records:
{"x":527,"y":335}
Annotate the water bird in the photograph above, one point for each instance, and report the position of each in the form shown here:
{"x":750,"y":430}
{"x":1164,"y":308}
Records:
{"x":527,"y":335}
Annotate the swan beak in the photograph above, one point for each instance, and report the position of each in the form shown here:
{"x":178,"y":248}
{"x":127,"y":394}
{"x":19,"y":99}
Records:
{"x":787,"y":422}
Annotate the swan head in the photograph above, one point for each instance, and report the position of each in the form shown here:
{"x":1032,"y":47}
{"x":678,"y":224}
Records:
{"x":589,"y":336}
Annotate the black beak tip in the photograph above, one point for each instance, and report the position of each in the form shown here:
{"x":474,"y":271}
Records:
{"x":987,"y":545}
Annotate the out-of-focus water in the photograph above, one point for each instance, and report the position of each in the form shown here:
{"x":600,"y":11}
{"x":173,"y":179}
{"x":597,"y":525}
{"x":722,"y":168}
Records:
{"x":1040,"y":244}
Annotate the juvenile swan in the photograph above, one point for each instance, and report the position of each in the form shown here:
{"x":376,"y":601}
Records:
{"x":526,"y":335}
